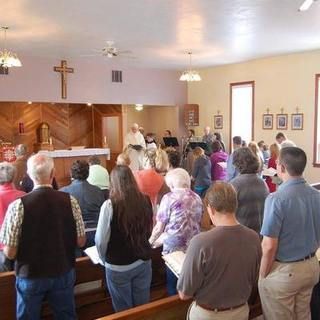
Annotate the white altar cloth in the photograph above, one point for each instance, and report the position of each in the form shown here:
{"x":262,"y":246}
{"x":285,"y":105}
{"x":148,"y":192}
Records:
{"x":77,"y":153}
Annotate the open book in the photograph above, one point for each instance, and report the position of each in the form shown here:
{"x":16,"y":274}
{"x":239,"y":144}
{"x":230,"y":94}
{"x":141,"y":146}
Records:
{"x":174,"y":261}
{"x":269,"y":172}
{"x":93,"y":254}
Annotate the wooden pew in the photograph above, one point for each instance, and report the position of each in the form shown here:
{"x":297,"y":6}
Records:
{"x":171,"y":308}
{"x":91,"y":295}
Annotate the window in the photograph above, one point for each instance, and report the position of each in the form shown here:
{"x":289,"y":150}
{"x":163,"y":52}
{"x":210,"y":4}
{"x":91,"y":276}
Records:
{"x":316,"y":147}
{"x":242,"y":110}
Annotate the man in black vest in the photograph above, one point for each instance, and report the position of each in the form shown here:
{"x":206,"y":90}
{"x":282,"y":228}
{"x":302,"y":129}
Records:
{"x":41,"y":231}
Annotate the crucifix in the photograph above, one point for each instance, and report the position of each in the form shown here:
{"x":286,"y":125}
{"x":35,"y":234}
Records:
{"x":63,"y":69}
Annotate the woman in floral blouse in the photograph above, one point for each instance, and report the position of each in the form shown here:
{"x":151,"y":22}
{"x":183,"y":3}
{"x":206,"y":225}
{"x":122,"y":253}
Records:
{"x":178,"y":217}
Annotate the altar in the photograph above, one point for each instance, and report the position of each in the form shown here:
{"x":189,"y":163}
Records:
{"x":63,"y":160}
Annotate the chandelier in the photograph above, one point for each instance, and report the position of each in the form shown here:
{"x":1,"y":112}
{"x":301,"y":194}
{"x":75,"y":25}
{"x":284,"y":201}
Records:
{"x":8,"y":59}
{"x":190,"y":75}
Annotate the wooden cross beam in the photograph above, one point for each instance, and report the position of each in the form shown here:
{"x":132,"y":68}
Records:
{"x":63,"y":69}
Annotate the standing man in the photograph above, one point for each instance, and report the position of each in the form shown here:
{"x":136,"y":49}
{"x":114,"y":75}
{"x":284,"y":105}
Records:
{"x":208,"y":138}
{"x":21,"y":153}
{"x":221,"y":265}
{"x":232,"y":172}
{"x":283,"y":141}
{"x":41,"y":231}
{"x":291,"y":236}
{"x":134,"y":137}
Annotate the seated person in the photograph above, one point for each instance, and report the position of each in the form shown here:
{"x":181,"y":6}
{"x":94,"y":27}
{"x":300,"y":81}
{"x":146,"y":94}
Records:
{"x":90,"y":197}
{"x":178,"y":217}
{"x":221,"y":265}
{"x":98,"y":175}
{"x":8,"y":193}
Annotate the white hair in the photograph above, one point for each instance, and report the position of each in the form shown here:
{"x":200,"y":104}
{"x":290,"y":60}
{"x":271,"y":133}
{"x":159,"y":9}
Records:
{"x":40,"y":167}
{"x":178,"y":178}
{"x":135,"y":125}
{"x":7,"y":172}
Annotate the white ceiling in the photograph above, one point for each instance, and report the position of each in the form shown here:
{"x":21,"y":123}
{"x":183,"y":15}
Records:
{"x":159,"y":32}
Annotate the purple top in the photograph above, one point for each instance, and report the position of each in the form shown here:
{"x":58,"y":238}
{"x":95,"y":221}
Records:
{"x":217,"y":171}
{"x":181,"y":212}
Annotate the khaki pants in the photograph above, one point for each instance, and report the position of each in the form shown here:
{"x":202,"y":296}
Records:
{"x":195,"y":312}
{"x":286,"y":292}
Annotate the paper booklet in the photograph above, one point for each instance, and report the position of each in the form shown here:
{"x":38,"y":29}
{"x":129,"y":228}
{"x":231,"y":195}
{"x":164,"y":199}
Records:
{"x":174,"y":261}
{"x":93,"y":254}
{"x":269,"y":172}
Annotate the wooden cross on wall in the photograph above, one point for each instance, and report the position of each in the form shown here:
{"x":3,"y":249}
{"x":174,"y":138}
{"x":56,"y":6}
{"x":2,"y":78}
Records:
{"x":63,"y":69}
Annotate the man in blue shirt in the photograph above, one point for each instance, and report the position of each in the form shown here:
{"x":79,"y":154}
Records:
{"x":232,"y":172}
{"x":291,"y":235}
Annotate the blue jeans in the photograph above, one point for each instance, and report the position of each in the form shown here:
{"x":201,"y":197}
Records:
{"x":58,"y":291}
{"x":171,"y":282}
{"x":129,"y":288}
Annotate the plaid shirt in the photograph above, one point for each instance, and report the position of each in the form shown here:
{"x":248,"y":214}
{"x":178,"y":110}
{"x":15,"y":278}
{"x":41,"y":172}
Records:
{"x":11,"y":228}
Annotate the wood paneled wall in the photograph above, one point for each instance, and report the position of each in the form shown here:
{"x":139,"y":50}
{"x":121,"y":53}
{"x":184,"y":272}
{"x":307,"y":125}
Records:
{"x":70,"y":124}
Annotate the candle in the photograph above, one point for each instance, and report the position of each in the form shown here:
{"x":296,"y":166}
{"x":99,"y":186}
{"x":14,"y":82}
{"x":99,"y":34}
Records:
{"x":105,"y":140}
{"x":50,"y":140}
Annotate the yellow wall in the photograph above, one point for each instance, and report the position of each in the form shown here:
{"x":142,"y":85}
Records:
{"x":155,"y":119}
{"x":286,"y":82}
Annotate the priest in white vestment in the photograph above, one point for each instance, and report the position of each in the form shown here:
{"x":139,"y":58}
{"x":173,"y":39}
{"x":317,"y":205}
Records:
{"x":134,"y":137}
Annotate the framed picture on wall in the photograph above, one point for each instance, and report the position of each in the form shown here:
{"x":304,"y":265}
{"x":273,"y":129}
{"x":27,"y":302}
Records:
{"x":267,"y":121}
{"x":218,"y":122}
{"x":297,"y":121}
{"x":282,"y":121}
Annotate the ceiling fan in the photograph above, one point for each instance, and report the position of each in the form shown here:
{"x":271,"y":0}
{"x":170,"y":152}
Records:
{"x":109,"y":51}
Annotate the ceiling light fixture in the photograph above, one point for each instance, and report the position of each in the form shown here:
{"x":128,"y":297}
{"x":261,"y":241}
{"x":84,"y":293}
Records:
{"x":306,"y":5}
{"x":190,"y":75}
{"x":8,"y":59}
{"x":139,"y":107}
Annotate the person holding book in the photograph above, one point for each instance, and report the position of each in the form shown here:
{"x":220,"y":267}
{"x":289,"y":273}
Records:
{"x":274,"y":155}
{"x":123,"y":230}
{"x":211,"y":275}
{"x":178,"y":217}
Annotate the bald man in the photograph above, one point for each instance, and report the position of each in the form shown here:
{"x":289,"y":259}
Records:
{"x":134,"y":137}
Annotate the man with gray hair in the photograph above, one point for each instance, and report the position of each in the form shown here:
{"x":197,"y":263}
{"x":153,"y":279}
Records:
{"x":21,"y":152}
{"x":134,"y":137}
{"x":41,"y":231}
{"x":8,"y":194}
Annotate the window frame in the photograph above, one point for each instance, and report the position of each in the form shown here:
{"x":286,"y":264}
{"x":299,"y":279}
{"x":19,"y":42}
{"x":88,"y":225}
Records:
{"x":236,"y":84}
{"x":316,"y":111}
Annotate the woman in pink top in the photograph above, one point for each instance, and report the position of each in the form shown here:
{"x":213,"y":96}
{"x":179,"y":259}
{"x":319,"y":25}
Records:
{"x":8,"y":193}
{"x":149,"y":180}
{"x":218,"y":159}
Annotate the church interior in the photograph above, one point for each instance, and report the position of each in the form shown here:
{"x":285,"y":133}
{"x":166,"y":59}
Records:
{"x":85,"y":71}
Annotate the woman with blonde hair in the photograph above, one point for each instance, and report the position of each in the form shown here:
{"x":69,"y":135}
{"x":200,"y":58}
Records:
{"x":253,"y":146}
{"x":150,"y":180}
{"x":274,"y":154}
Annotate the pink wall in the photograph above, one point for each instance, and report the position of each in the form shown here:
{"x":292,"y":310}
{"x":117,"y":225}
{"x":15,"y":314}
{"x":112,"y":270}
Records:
{"x":91,"y":82}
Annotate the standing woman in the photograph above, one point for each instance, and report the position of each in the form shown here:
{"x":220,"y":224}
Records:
{"x":274,"y":154}
{"x":124,"y":227}
{"x":201,"y":172}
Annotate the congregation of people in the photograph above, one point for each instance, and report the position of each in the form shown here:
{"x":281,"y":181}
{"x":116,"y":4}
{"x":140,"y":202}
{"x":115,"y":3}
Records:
{"x":240,"y":227}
